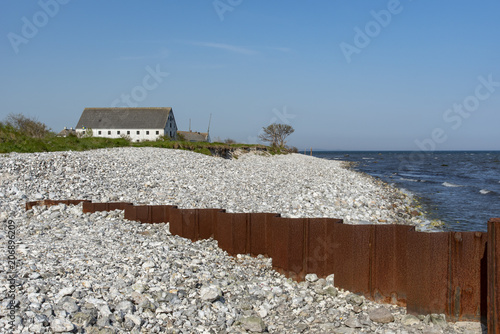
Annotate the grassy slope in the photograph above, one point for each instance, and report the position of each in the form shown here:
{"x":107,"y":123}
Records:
{"x":12,"y":140}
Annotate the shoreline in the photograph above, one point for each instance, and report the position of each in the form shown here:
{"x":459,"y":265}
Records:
{"x":78,"y":272}
{"x":293,"y":185}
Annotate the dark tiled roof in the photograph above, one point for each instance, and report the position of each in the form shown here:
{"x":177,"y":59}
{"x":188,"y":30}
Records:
{"x":124,"y":118}
{"x":194,"y":136}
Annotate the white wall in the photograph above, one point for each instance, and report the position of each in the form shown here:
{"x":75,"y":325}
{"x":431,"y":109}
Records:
{"x":144,"y":134}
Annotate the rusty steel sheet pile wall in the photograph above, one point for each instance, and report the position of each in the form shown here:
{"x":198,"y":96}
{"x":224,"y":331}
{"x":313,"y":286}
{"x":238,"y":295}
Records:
{"x":493,"y":307}
{"x":468,"y":275}
{"x":48,"y":202}
{"x":455,"y":273}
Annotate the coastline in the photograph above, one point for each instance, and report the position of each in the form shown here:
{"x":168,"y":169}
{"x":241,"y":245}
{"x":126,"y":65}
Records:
{"x":78,"y":270}
{"x":293,"y":185}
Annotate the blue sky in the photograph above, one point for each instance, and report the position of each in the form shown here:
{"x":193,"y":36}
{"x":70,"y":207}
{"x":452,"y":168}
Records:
{"x":351,"y":75}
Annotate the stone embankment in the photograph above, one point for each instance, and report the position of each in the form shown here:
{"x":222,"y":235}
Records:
{"x":99,"y":273}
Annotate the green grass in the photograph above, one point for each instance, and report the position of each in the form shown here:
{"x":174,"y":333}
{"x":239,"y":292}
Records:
{"x":12,"y":140}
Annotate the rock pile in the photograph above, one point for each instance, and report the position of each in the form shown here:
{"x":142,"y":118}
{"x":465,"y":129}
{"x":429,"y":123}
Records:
{"x":99,"y":273}
{"x":293,"y":185}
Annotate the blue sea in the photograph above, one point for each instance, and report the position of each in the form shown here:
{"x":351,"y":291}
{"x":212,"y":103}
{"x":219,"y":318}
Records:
{"x":462,"y":189}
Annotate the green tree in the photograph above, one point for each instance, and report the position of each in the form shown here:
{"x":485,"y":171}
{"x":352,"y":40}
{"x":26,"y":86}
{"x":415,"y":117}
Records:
{"x":276,"y":134}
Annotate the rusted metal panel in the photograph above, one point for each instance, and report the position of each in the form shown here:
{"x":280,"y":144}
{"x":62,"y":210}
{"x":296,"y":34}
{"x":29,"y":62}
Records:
{"x":206,"y":222}
{"x":239,"y":226}
{"x":88,"y":207}
{"x":30,"y":205}
{"x":316,"y":246}
{"x":98,"y":207}
{"x":427,"y":279}
{"x":348,"y":256}
{"x":320,"y":248}
{"x":493,"y":282}
{"x":189,"y":224}
{"x":130,"y":213}
{"x":260,"y":233}
{"x":297,"y":248}
{"x":388,"y":263}
{"x":175,"y":221}
{"x":47,"y":202}
{"x":333,"y":248}
{"x":467,"y":280}
{"x":280,"y":243}
{"x":142,"y":214}
{"x":224,"y":232}
{"x":158,"y":214}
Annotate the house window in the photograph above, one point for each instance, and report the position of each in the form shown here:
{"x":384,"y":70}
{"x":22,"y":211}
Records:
{"x":128,"y":132}
{"x":99,"y":132}
{"x":138,"y":132}
{"x":83,"y":132}
{"x":118,"y":132}
{"x":157,"y":132}
{"x":109,"y":132}
{"x":147,"y":132}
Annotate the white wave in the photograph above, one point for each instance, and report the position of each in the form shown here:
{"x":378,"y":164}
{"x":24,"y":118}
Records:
{"x":484,"y":191}
{"x":451,"y":185}
{"x":409,"y":180}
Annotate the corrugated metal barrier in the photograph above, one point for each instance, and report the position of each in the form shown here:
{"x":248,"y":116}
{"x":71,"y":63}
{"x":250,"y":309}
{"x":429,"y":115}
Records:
{"x":455,"y":273}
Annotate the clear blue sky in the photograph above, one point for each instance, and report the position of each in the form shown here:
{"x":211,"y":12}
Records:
{"x":352,"y":75}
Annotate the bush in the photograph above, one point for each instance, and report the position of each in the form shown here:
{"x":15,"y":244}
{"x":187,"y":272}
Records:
{"x":88,"y":133}
{"x":126,"y":137}
{"x":164,"y":138}
{"x":230,"y":141}
{"x":29,"y":127}
{"x":180,"y":137}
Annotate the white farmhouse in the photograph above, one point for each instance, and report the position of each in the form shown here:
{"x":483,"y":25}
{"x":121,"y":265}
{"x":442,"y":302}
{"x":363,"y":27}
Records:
{"x":137,"y":123}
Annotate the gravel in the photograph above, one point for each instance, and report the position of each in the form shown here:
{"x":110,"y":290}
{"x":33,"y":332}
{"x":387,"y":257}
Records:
{"x":100,"y":273}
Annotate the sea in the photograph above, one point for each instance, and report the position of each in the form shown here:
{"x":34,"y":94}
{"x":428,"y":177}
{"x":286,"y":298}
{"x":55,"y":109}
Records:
{"x":461,"y":189}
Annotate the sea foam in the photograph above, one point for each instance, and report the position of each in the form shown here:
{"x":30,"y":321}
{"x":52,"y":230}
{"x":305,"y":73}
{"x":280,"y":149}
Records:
{"x":447,"y":184}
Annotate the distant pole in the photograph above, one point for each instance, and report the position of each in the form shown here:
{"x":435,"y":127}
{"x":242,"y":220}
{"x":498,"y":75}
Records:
{"x":305,"y":152}
{"x":209,"y":121}
{"x":311,"y":151}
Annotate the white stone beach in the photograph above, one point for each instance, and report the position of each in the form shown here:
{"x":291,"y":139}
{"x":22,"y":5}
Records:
{"x":99,"y":273}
